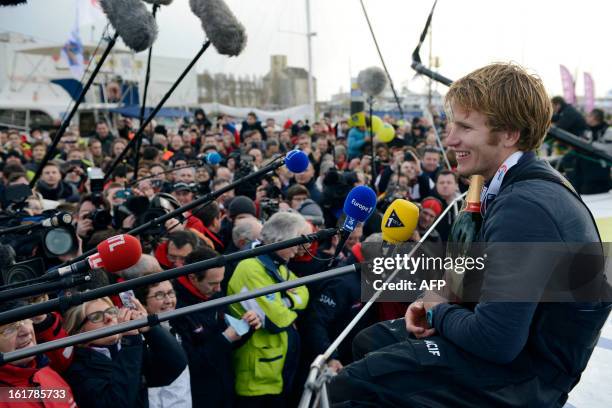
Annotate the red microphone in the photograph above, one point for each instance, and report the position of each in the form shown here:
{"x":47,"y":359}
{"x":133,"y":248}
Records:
{"x":114,"y":254}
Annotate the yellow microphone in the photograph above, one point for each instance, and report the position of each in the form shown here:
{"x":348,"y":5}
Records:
{"x":399,"y":221}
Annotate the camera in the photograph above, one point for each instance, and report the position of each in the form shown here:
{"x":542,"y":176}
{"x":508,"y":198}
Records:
{"x":268,"y":207}
{"x":100,"y":218}
{"x":30,"y":250}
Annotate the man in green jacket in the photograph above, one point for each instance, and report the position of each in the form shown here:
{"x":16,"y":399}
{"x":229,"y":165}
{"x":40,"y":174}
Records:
{"x":265,"y":365}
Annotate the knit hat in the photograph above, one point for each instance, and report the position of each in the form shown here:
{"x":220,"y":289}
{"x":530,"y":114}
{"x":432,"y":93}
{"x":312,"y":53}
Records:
{"x":433,"y":204}
{"x":311,"y":211}
{"x":241,"y":205}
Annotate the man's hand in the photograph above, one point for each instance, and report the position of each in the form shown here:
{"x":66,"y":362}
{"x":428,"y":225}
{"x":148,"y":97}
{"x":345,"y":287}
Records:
{"x":84,"y":227}
{"x":231,"y":334}
{"x":335,"y":365}
{"x":416,"y":315}
{"x":416,"y":320}
{"x":252,"y":319}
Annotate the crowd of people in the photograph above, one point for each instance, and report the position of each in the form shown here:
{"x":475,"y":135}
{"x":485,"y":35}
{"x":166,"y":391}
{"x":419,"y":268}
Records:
{"x":206,"y":358}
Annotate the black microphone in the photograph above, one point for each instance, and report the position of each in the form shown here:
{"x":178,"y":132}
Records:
{"x":111,"y":263}
{"x":222,"y":28}
{"x":133,"y":22}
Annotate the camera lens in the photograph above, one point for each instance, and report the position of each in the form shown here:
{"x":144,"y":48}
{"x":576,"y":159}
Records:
{"x":59,"y":241}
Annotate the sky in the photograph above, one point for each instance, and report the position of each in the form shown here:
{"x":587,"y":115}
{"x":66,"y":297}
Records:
{"x":467,"y":34}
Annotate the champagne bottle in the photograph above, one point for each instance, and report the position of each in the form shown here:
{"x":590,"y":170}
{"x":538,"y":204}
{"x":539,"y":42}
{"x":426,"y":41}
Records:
{"x":463,"y":232}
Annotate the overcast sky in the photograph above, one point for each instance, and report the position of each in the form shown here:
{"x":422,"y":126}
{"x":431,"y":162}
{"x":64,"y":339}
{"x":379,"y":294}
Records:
{"x":539,"y":34}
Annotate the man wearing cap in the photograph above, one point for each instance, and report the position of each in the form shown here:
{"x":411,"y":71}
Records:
{"x":239,"y":207}
{"x":431,"y":209}
{"x":183,"y":193}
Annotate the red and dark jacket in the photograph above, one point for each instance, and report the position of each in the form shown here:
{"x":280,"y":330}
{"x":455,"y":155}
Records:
{"x":36,"y":374}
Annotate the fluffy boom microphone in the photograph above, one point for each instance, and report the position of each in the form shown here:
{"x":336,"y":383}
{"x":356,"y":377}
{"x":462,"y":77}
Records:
{"x":220,"y":25}
{"x":372,"y":81}
{"x":131,"y":19}
{"x":159,"y":2}
{"x":12,"y":2}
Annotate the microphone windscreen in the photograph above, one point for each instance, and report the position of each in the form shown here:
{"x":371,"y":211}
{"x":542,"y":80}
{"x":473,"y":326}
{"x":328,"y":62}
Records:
{"x":399,"y":221}
{"x":220,"y":25}
{"x":12,"y":2}
{"x":131,"y":19}
{"x":360,"y":203}
{"x":119,"y":252}
{"x":372,"y":81}
{"x":159,"y":2}
{"x":296,"y":161}
{"x":213,"y":158}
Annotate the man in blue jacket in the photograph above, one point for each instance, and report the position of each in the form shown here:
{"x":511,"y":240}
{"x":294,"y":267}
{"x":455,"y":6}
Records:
{"x":513,"y":346}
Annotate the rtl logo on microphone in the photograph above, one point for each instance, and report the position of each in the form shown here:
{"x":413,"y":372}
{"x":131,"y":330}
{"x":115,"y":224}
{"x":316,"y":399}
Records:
{"x":115,"y":241}
{"x":95,"y":261}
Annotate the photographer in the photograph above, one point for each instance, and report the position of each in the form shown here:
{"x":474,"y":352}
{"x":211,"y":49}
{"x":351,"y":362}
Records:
{"x":93,"y":215}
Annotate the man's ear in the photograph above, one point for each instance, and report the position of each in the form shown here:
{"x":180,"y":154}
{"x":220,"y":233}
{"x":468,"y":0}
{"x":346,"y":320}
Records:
{"x":510,"y":138}
{"x":192,"y":278}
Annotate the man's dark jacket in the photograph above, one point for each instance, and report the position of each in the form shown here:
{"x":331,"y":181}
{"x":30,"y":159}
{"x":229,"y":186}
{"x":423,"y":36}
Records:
{"x":552,"y":340}
{"x":208,"y":351}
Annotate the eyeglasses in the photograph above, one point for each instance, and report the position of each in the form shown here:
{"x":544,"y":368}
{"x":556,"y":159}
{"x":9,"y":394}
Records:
{"x":97,"y":317}
{"x":13,"y":328}
{"x":175,"y":258}
{"x":171,"y":294}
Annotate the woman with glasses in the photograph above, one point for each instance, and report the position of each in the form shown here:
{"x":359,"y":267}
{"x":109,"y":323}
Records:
{"x":115,"y":371}
{"x":28,"y":372}
{"x":157,"y":298}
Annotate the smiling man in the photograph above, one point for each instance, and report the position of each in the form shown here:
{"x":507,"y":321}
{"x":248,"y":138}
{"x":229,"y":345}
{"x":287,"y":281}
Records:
{"x":31,"y":371}
{"x":512,"y":346}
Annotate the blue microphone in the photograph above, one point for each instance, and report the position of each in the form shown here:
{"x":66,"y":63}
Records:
{"x":296,"y":161}
{"x":359,"y":205}
{"x":213,"y":158}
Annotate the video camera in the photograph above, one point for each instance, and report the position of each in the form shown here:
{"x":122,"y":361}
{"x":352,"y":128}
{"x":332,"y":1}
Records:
{"x":30,"y":245}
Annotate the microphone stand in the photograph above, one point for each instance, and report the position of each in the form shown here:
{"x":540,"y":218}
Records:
{"x":68,"y":119}
{"x":36,"y":289}
{"x":161,"y":103}
{"x":213,"y":195}
{"x":155,"y":319}
{"x":178,"y":212}
{"x":64,"y":302}
{"x":373,"y":178}
{"x":144,"y":102}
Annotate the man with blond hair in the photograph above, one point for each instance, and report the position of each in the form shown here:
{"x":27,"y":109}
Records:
{"x":520,"y":338}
